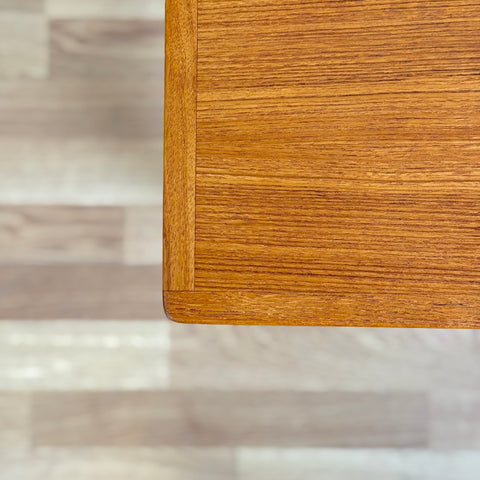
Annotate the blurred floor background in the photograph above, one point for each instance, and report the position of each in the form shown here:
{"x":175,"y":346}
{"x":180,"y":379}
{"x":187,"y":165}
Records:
{"x":95,"y":384}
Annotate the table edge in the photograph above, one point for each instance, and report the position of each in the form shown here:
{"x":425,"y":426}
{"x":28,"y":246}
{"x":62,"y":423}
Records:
{"x":180,"y":144}
{"x":359,"y":310}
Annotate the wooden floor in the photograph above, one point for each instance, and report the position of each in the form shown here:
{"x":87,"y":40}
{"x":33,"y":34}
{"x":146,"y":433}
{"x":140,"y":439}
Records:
{"x":95,"y":384}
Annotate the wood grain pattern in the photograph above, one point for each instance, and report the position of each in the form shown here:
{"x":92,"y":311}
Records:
{"x":221,"y":419}
{"x":270,"y":308}
{"x":180,"y":143}
{"x":337,"y":164}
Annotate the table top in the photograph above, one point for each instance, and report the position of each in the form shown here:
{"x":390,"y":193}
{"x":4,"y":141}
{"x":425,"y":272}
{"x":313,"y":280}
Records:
{"x":322,"y":162}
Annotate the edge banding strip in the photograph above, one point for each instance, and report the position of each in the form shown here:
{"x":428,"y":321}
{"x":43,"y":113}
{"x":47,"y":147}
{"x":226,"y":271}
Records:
{"x":180,"y":144}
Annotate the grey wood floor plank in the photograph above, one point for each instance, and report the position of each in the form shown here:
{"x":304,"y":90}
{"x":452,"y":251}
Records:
{"x":203,"y":418}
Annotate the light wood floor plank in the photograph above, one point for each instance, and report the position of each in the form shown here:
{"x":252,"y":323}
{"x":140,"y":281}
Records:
{"x":106,"y":9}
{"x":82,"y":355}
{"x":358,"y":464}
{"x":24,"y":51}
{"x":323,"y":359}
{"x":117,"y":464}
{"x":80,"y":172}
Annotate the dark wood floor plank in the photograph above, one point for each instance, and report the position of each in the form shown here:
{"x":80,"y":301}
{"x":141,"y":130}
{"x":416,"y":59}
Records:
{"x":118,"y":108}
{"x":14,"y":420}
{"x":143,"y":239}
{"x":96,"y":48}
{"x":81,"y":292}
{"x":59,"y":234}
{"x":455,"y":420}
{"x":31,"y":6}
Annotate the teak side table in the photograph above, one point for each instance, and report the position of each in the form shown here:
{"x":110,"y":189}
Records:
{"x":322,"y":162}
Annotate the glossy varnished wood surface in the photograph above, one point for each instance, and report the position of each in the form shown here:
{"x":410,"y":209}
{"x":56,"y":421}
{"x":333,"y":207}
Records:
{"x":337,"y":168}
